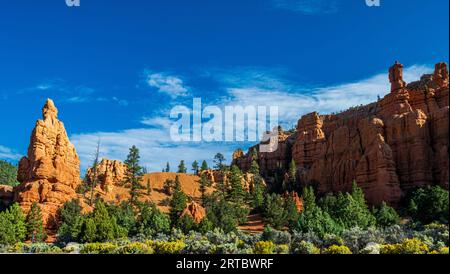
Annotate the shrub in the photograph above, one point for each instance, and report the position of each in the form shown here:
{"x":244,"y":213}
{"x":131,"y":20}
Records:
{"x":386,"y":216}
{"x":98,"y":248}
{"x":152,"y":221}
{"x":165,"y":247}
{"x":135,"y":248}
{"x":443,"y":251}
{"x":264,"y":247}
{"x":276,"y":236}
{"x":407,"y":246}
{"x":337,"y":249}
{"x":305,"y":247}
{"x":429,"y":204}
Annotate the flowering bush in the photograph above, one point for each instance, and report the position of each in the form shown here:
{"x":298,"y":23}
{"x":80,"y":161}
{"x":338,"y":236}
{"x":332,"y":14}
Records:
{"x":264,"y":247}
{"x":98,"y":248}
{"x":337,"y":249}
{"x":407,"y":246}
{"x":164,"y":247}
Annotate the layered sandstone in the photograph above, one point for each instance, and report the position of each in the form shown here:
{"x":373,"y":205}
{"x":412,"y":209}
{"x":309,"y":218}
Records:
{"x":387,"y":147}
{"x":107,"y":175}
{"x":50,"y":173}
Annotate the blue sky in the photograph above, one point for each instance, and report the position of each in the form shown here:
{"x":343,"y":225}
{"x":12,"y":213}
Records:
{"x":115,"y":68}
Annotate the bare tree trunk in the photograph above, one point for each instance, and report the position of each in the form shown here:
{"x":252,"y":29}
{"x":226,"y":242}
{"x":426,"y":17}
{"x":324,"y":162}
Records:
{"x":95,"y":175}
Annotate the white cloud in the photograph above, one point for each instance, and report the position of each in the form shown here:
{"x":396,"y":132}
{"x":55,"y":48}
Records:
{"x":155,"y":147}
{"x":8,"y":154}
{"x":168,"y":84}
{"x":260,"y":88}
{"x":294,"y":101}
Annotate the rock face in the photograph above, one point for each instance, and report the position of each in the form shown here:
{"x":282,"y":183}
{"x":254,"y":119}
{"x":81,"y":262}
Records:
{"x":50,"y":173}
{"x":196,"y":211}
{"x":110,"y":173}
{"x":388,"y":147}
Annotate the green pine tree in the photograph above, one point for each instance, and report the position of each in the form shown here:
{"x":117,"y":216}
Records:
{"x":178,"y":202}
{"x":35,"y":227}
{"x":203,"y":184}
{"x":167,"y":167}
{"x":195,"y":167}
{"x":237,"y":193}
{"x":204,"y":166}
{"x":133,"y":174}
{"x":182,"y":167}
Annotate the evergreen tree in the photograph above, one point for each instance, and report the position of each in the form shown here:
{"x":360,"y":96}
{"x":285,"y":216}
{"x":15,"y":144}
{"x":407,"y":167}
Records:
{"x":429,"y":204}
{"x":94,"y":179}
{"x":178,"y":202}
{"x":133,"y":174}
{"x":219,"y":159}
{"x":203,"y":184}
{"x":386,"y":216}
{"x":8,"y":174}
{"x":291,"y":181}
{"x":204,"y":166}
{"x":149,"y":187}
{"x":12,"y":225}
{"x":313,"y":218}
{"x":182,"y":167}
{"x":257,"y":193}
{"x":35,"y":227}
{"x":100,"y":226}
{"x":195,"y":167}
{"x":254,"y":168}
{"x":274,"y":211}
{"x":152,"y":221}
{"x":237,"y":193}
{"x":167,"y":167}
{"x":71,"y":222}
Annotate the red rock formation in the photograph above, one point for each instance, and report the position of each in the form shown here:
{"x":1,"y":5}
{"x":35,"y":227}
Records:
{"x":110,"y":173}
{"x":387,"y":147}
{"x":50,"y":173}
{"x":196,"y":211}
{"x":396,"y":77}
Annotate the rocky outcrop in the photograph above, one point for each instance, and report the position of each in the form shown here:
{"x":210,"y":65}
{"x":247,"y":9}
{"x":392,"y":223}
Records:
{"x":387,"y":147}
{"x":50,"y":173}
{"x":216,"y":176}
{"x":109,"y":173}
{"x":194,"y":210}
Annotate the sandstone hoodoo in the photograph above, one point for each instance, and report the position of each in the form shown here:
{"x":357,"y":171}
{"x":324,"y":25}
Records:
{"x":387,"y":147}
{"x":110,"y":173}
{"x":194,"y":210}
{"x":50,"y":173}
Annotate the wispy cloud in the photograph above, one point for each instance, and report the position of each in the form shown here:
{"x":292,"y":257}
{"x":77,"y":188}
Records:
{"x":8,"y":154}
{"x":166,"y":83}
{"x":308,"y":6}
{"x":63,"y":91}
{"x":294,"y":100}
{"x":256,"y":87}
